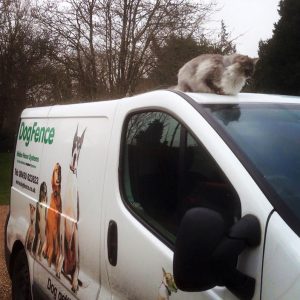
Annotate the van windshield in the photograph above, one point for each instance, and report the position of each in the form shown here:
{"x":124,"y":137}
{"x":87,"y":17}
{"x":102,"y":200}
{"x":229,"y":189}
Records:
{"x":268,"y":136}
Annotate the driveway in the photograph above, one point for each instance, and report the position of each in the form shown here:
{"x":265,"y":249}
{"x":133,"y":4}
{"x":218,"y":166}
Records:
{"x":5,"y":283}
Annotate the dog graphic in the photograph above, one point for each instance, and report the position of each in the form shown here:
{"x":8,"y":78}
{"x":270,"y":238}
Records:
{"x":31,"y":230}
{"x":40,"y":223}
{"x":167,"y":286}
{"x":69,"y":260}
{"x":51,"y":248}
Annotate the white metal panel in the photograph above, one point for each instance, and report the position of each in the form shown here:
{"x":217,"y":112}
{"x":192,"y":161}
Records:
{"x":81,"y":200}
{"x":86,"y":110}
{"x":90,"y":109}
{"x":25,"y":181}
{"x":36,"y":154}
{"x":281,"y":272}
{"x":141,"y":250}
{"x":243,"y":98}
{"x":36,"y":112}
{"x":141,"y":254}
{"x":100,"y":108}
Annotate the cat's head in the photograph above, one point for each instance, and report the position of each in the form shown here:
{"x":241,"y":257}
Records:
{"x":246,"y":64}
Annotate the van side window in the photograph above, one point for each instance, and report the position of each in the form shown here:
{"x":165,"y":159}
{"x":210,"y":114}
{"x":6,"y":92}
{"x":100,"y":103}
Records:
{"x":165,"y":171}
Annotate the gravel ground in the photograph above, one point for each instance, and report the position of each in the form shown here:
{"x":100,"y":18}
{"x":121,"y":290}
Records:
{"x":5,"y":283}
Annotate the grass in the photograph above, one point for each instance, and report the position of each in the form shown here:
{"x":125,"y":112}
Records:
{"x":6,"y":162}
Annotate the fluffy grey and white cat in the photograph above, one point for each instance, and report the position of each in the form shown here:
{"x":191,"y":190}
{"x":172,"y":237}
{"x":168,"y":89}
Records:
{"x":215,"y":73}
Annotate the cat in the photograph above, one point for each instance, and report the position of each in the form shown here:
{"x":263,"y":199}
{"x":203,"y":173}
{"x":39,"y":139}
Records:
{"x":215,"y":73}
{"x":31,"y":229}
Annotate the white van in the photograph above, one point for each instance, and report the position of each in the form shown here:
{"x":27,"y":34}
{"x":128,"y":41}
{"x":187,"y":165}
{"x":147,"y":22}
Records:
{"x":164,"y":195}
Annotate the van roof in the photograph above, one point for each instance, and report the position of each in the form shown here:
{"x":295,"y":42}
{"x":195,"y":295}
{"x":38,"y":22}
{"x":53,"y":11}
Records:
{"x":107,"y":107}
{"x":86,"y":109}
{"x":242,"y":98}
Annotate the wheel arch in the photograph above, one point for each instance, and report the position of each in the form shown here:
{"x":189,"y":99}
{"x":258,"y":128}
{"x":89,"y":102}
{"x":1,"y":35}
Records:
{"x":18,"y":246}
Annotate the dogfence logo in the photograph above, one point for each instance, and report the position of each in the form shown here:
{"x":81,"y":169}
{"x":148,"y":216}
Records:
{"x":36,"y":134}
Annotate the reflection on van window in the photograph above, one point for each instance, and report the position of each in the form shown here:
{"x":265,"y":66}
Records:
{"x":269,"y":135}
{"x":166,"y":172}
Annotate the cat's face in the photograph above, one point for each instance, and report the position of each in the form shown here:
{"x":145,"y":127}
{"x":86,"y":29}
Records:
{"x":247,"y":65}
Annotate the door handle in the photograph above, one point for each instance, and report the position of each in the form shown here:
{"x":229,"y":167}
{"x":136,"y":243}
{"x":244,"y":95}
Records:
{"x":112,"y":243}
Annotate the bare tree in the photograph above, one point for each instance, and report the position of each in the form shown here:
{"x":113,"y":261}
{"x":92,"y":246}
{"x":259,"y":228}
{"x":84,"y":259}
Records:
{"x":107,"y":44}
{"x":21,"y":48}
{"x":71,"y":27}
{"x":130,"y":28}
{"x":72,"y":50}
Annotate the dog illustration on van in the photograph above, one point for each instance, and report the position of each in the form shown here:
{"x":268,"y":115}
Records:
{"x":69,"y":259}
{"x":40,"y":221}
{"x":31,"y":229}
{"x":167,"y":286}
{"x":51,"y":248}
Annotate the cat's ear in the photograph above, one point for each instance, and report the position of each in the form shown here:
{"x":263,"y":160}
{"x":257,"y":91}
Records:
{"x":255,"y":60}
{"x":82,"y":136}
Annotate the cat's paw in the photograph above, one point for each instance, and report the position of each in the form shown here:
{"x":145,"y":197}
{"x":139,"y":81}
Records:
{"x":220,"y":92}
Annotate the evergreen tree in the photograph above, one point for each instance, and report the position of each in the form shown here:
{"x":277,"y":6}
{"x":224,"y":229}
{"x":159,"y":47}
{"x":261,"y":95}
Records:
{"x":171,"y":57}
{"x":278,"y":70}
{"x":178,"y":50}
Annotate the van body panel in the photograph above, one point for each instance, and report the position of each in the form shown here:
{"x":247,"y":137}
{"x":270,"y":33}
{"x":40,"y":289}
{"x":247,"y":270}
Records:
{"x":281,"y":271}
{"x":83,"y":225}
{"x":124,"y":277}
{"x":81,"y":201}
{"x":55,"y":138}
{"x":24,"y":190}
{"x":86,"y":110}
{"x":243,"y":98}
{"x":37,"y":112}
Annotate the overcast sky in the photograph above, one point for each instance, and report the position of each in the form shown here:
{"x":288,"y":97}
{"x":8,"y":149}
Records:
{"x":254,"y":19}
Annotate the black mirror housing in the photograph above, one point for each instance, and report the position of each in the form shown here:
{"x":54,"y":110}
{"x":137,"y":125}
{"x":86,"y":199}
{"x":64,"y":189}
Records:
{"x":206,"y":252}
{"x":200,"y":232}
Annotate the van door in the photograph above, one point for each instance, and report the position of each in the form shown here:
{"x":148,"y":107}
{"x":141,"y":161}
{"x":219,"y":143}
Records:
{"x":26,"y":179}
{"x":67,"y":262}
{"x":281,"y":261}
{"x":165,"y":168}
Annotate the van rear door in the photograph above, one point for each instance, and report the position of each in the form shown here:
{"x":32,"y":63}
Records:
{"x":67,"y":266}
{"x":26,"y":178}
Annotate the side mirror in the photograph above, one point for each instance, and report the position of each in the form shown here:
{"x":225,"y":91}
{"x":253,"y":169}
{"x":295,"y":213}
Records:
{"x":206,"y":252}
